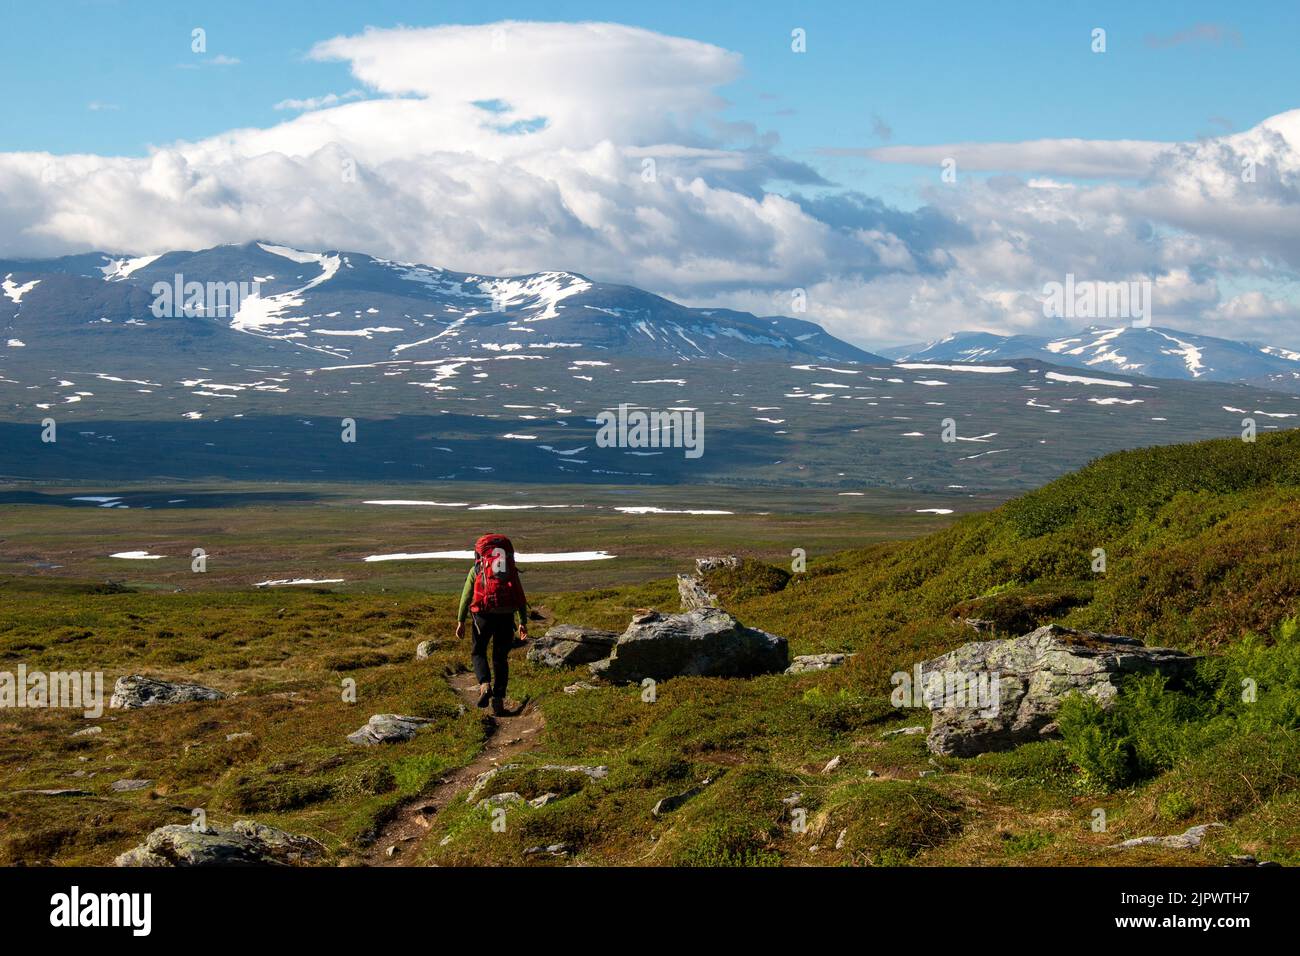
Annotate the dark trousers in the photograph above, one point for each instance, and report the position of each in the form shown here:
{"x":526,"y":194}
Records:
{"x":500,"y":630}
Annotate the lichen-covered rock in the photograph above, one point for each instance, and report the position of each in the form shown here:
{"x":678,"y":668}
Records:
{"x":483,"y":779}
{"x":245,"y":843}
{"x":705,"y":642}
{"x":807,"y":663}
{"x":691,"y":588}
{"x":569,"y":645}
{"x":388,"y":729}
{"x":137,"y":691}
{"x":1026,"y":679}
{"x":1189,"y":839}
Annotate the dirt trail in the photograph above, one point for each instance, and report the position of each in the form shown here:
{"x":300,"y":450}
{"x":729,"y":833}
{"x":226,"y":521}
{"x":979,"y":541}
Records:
{"x":508,"y":738}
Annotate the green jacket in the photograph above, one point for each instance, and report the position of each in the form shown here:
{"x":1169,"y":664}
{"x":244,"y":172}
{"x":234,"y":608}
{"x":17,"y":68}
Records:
{"x":467,"y":596}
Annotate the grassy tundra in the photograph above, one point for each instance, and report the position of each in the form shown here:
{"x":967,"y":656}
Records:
{"x":1200,"y":544}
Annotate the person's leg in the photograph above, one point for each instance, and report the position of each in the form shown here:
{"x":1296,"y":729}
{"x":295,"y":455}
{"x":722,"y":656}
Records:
{"x":479,"y":637}
{"x":503,"y":637}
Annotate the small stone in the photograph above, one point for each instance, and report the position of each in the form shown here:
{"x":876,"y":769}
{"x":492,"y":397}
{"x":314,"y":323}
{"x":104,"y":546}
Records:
{"x":391,"y":852}
{"x":904,"y":731}
{"x":240,"y":735}
{"x":88,"y":732}
{"x":423,"y":649}
{"x":122,"y":786}
{"x":500,"y":800}
{"x":839,"y":841}
{"x":543,"y":800}
{"x":579,"y":686}
{"x":1190,"y":839}
{"x":554,"y":849}
{"x":808,"y":663}
{"x":669,"y":804}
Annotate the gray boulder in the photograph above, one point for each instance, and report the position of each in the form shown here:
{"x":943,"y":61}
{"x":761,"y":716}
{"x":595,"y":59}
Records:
{"x":245,"y":843}
{"x":705,"y":642}
{"x":388,"y":729}
{"x":569,"y":645}
{"x":137,"y":691}
{"x":1013,"y":688}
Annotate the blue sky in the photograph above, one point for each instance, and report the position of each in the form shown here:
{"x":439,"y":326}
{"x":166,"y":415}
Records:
{"x":777,"y":170}
{"x":932,"y":72}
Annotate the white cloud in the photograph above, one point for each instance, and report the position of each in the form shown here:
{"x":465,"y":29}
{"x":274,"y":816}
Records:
{"x":607,"y":150}
{"x":319,"y":102}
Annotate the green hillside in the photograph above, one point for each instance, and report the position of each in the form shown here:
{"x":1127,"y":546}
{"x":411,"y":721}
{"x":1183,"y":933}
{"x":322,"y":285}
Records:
{"x":1201,"y":553}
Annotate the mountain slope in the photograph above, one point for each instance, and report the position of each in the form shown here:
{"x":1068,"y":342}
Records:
{"x":1156,"y":352}
{"x":355,"y":307}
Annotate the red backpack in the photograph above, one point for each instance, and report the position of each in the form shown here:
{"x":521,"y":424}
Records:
{"x":497,"y":588}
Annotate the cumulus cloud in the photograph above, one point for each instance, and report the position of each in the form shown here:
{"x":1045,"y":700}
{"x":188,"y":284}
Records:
{"x":609,"y":150}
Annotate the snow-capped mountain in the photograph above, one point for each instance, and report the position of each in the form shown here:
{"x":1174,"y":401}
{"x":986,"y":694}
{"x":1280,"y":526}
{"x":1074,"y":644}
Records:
{"x":1154,"y":352}
{"x":305,"y":308}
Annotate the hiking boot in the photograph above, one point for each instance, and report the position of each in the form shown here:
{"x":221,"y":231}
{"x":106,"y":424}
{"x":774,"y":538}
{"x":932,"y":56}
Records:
{"x":485,"y":691}
{"x":498,"y":707}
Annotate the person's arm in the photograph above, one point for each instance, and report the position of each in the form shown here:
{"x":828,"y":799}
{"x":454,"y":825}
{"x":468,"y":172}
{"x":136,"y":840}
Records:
{"x":465,"y":594}
{"x":523,"y":613}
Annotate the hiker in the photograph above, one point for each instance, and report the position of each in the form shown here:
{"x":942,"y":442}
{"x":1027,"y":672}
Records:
{"x":493,"y":595}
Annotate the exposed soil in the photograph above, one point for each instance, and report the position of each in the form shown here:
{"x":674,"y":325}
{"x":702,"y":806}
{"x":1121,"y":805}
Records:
{"x":508,"y":737}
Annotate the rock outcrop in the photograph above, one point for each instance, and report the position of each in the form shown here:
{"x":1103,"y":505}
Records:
{"x":245,"y":843}
{"x":388,"y":729}
{"x":691,"y":586}
{"x":1012,"y":689}
{"x":705,"y":642}
{"x":137,"y":691}
{"x":568,"y":645}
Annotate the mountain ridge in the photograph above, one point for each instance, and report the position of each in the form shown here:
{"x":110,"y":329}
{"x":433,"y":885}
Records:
{"x":1153,"y":351}
{"x":357,"y":306}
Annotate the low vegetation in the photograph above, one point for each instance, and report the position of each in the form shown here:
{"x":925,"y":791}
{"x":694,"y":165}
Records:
{"x":1187,"y":546}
